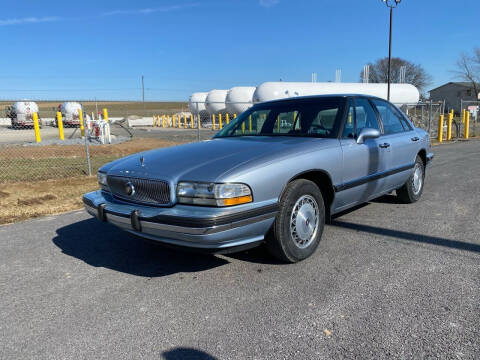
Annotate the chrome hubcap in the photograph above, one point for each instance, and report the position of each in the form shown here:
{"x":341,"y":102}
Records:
{"x":417,"y":178}
{"x":304,"y":221}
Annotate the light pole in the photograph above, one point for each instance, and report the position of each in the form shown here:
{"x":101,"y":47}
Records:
{"x":391,"y":4}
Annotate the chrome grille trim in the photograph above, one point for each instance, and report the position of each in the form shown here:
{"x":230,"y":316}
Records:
{"x":147,"y":191}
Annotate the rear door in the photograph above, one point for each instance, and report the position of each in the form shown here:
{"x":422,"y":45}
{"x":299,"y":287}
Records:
{"x":401,"y":140}
{"x":362,"y":163}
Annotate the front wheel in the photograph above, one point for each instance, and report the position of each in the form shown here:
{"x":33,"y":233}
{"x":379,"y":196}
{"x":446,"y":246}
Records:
{"x":299,"y":223}
{"x":412,"y":190}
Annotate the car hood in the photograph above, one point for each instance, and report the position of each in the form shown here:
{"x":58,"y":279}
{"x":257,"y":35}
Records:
{"x":208,"y":160}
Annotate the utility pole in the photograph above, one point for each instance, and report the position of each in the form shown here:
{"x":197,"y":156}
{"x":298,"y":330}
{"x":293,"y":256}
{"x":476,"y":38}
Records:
{"x":143,"y":94}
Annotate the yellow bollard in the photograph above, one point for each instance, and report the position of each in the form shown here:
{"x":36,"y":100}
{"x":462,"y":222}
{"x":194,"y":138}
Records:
{"x":220,"y":125}
{"x":227,"y":118}
{"x":154,"y":119}
{"x":449,"y":125}
{"x":163,"y":121}
{"x":105,"y":114}
{"x":467,"y":124}
{"x":36,"y":127}
{"x":213,"y":121}
{"x":173,"y":121}
{"x":250,"y":123}
{"x":440,"y":128}
{"x":278,"y":123}
{"x":243,"y":127}
{"x":80,"y":120}
{"x":60,"y":126}
{"x":463,"y":116}
{"x":191,"y":121}
{"x":234,"y":116}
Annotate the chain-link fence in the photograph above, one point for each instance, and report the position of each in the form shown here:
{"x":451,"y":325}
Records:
{"x":43,"y":140}
{"x":60,"y":150}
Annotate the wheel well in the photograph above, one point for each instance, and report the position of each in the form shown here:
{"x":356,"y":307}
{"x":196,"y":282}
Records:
{"x":423,"y":155}
{"x":324,"y":183}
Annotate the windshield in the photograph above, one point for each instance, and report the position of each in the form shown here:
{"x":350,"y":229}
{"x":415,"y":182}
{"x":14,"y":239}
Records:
{"x":319,"y":117}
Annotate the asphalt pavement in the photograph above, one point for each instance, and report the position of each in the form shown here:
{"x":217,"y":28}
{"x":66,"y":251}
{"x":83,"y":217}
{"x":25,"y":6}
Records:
{"x":388,"y":280}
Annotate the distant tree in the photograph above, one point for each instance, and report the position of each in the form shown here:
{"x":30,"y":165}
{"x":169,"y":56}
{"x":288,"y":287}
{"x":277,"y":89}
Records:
{"x":468,"y":69}
{"x":415,"y":74}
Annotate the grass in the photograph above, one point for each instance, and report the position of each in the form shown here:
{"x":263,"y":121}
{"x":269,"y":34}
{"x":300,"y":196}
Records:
{"x":21,"y":164}
{"x":51,"y":179}
{"x":24,"y":200}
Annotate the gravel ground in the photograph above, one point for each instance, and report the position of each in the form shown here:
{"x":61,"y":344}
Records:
{"x":388,"y":281}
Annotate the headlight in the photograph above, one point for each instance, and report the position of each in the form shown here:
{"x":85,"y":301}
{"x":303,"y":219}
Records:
{"x":102,"y":178}
{"x":213,"y":194}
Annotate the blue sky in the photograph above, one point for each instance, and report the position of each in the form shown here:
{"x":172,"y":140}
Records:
{"x":87,"y":49}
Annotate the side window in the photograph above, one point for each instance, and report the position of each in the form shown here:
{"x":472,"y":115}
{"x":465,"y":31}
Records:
{"x":365,"y":116}
{"x":392,"y":121}
{"x":349,"y":128}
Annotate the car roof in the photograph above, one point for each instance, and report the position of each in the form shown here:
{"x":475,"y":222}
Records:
{"x":313,"y":97}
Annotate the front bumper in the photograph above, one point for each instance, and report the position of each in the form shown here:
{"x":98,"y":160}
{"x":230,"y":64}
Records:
{"x":184,"y":225}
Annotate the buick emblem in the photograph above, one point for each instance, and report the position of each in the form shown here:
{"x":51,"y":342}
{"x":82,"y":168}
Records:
{"x":129,"y":189}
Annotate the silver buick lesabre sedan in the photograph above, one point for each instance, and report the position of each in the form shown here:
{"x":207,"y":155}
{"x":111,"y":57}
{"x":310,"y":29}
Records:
{"x":275,"y":174}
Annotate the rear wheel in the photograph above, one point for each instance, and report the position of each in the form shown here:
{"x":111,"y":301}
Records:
{"x":412,"y":190}
{"x":299,"y":224}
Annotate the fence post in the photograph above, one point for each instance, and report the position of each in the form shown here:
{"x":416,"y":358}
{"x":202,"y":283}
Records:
{"x":105,"y":114}
{"x":36,"y":127}
{"x":80,"y":120}
{"x":449,"y":125}
{"x":87,"y":153}
{"x":60,"y":126}
{"x":198,"y":123}
{"x":440,"y":128}
{"x":467,"y":124}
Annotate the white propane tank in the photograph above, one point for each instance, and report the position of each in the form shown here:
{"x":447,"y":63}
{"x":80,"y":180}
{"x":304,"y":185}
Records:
{"x":215,"y":101}
{"x":196,"y":103}
{"x":70,"y":108}
{"x":239,"y":99}
{"x":399,"y":93}
{"x":25,"y":108}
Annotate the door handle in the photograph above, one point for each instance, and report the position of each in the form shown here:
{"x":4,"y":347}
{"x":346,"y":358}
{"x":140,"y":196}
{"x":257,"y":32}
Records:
{"x":415,"y":138}
{"x":384,"y":145}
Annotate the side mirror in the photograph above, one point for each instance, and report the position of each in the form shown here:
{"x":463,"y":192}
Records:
{"x":367,"y":133}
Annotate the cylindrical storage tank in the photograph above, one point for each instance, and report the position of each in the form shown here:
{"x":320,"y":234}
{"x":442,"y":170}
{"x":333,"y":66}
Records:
{"x":239,"y":99}
{"x":196,"y":103}
{"x":26,"y":108}
{"x":399,"y":93}
{"x":215,"y":101}
{"x":70,"y":108}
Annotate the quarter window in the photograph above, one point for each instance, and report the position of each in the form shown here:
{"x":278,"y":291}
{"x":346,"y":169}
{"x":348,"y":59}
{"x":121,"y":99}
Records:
{"x":392,"y":122}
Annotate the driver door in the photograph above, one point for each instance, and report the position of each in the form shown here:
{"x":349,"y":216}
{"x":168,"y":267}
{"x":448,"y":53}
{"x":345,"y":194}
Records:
{"x":362,"y":163}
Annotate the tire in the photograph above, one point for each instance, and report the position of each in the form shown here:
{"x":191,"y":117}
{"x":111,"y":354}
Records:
{"x":290,"y":240}
{"x":412,"y":190}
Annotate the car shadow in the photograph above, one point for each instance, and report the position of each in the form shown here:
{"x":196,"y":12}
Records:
{"x":388,"y":199}
{"x":183,"y":353}
{"x":104,"y":245}
{"x":404,"y":235}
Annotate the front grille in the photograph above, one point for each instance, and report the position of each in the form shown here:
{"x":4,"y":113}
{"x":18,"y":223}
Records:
{"x":154,"y":192}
